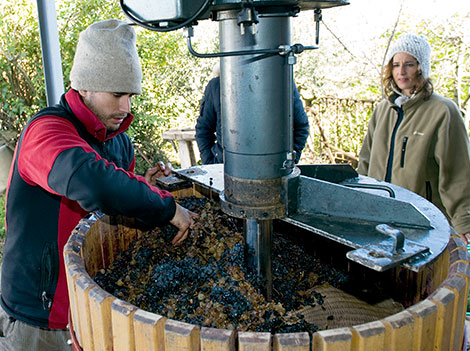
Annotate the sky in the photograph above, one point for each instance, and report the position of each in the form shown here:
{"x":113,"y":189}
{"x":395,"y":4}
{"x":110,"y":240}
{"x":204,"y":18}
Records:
{"x":365,"y":18}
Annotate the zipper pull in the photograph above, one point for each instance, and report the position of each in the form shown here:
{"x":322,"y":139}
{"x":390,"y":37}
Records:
{"x":403,"y":150}
{"x":46,"y":302}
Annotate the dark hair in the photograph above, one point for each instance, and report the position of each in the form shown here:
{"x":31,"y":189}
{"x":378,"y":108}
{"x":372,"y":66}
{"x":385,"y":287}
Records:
{"x":424,"y":84}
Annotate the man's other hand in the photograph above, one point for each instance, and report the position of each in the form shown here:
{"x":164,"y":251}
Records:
{"x":160,"y":170}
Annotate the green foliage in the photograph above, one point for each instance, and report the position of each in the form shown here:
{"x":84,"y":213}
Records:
{"x":174,"y":80}
{"x":172,"y":86}
{"x":22,"y":82}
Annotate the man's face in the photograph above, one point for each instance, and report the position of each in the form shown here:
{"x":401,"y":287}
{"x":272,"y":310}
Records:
{"x":110,"y":108}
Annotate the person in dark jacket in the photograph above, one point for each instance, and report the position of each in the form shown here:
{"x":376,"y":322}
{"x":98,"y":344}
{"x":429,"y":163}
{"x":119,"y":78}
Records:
{"x":73,"y":158}
{"x":209,"y":130}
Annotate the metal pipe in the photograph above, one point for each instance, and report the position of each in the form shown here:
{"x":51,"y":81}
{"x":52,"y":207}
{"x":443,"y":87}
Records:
{"x":50,"y":45}
{"x":254,"y":91}
{"x":258,"y":251}
{"x":290,"y":158}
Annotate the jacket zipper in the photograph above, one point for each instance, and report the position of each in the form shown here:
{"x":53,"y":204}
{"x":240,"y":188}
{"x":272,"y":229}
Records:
{"x":46,"y":301}
{"x":428,"y":191}
{"x":48,"y":275}
{"x":403,"y":150}
{"x":388,"y":170}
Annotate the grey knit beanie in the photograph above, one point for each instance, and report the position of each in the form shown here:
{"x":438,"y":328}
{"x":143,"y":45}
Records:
{"x":106,"y":59}
{"x":418,"y":47}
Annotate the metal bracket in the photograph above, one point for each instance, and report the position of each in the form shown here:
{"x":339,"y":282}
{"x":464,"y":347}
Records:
{"x":388,"y":253}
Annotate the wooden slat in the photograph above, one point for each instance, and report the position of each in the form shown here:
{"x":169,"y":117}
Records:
{"x":100,"y":314}
{"x":339,"y":339}
{"x":455,"y":242}
{"x":73,"y":272}
{"x":292,"y":342}
{"x":108,"y":243}
{"x":459,"y":255}
{"x":458,"y":285}
{"x":460,"y":268}
{"x":149,"y":331}
{"x":75,"y":242}
{"x":123,"y":327}
{"x":399,"y":331}
{"x":213,"y":339}
{"x":83,"y":285}
{"x":445,"y":301}
{"x":71,"y":257}
{"x":425,"y":315}
{"x":92,"y":251}
{"x":249,"y":341}
{"x":441,"y":266}
{"x":181,"y":336}
{"x":127,"y":232}
{"x":368,"y":336}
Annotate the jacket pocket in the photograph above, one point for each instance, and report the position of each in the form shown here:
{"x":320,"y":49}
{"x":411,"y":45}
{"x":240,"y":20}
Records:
{"x":49,"y":275}
{"x":403,"y":152}
{"x":428,"y":191}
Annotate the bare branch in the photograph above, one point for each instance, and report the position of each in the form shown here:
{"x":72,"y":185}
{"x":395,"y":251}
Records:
{"x":389,"y":42}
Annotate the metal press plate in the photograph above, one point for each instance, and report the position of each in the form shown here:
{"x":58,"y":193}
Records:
{"x":208,"y":176}
{"x":354,"y":233}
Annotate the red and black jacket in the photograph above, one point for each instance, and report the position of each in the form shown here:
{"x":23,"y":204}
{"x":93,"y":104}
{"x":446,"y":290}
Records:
{"x":65,"y":165}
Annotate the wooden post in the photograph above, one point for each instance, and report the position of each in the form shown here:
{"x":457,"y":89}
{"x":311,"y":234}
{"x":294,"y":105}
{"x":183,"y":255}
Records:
{"x":181,"y":336}
{"x":339,"y":339}
{"x":149,"y":331}
{"x":251,"y":341}
{"x":399,"y":331}
{"x":100,"y":314}
{"x":83,"y":284}
{"x":292,"y":342}
{"x":213,"y":339}
{"x":184,"y":139}
{"x":425,"y":314}
{"x":445,"y":300}
{"x":368,"y":336}
{"x":123,"y":326}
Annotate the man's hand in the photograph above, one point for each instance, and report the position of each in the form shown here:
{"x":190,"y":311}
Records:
{"x":160,"y":170}
{"x":465,"y":237}
{"x":183,"y":220}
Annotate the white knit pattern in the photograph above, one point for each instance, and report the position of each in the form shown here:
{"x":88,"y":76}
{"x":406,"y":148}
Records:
{"x":416,"y":46}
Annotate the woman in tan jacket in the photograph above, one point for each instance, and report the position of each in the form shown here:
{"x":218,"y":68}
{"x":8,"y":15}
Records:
{"x":417,"y":139}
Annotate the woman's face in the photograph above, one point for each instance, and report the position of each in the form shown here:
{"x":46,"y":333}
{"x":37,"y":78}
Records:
{"x":405,"y":71}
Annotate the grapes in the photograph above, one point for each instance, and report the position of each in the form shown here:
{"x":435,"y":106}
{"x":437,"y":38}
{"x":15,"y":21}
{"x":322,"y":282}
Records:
{"x":205,"y":281}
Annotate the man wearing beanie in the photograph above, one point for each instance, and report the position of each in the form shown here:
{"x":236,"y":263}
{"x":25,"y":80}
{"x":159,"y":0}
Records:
{"x":417,"y":139}
{"x":73,"y":158}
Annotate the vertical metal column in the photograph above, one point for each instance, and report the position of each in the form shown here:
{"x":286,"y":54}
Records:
{"x":256,"y":131}
{"x":50,"y":45}
{"x":255,"y":116}
{"x":258,"y":251}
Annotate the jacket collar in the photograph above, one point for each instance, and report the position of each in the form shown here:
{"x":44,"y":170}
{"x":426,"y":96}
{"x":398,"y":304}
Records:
{"x":92,"y":124}
{"x":412,"y":101}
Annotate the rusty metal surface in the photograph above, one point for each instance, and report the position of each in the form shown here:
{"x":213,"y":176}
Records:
{"x":252,"y":192}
